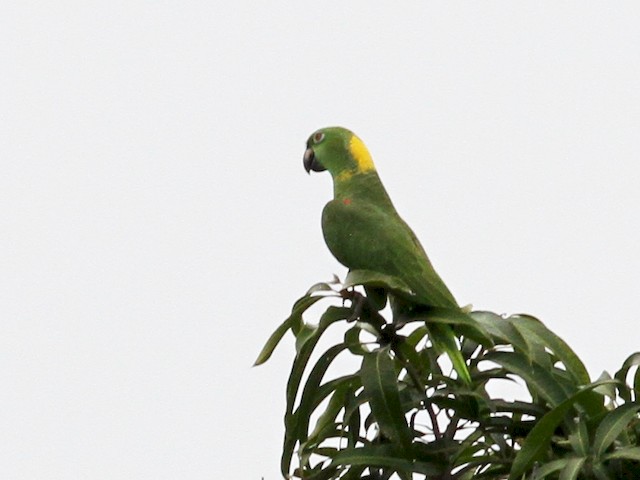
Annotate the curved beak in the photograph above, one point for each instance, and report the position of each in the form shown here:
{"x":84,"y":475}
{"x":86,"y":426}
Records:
{"x":310,"y":162}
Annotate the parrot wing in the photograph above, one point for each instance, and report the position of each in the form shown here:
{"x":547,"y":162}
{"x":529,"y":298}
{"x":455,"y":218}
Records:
{"x":362,"y":235}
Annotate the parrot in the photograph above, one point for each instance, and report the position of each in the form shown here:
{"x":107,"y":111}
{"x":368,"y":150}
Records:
{"x":363,"y":230}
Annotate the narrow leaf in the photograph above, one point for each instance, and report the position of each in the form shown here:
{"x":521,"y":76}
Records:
{"x":331,"y":315}
{"x":376,"y":279}
{"x":631,"y":361}
{"x":462,"y":322}
{"x":500,"y":329}
{"x":612,"y":425}
{"x":312,"y":394}
{"x":629,"y":453}
{"x":320,"y":287}
{"x":539,"y":438}
{"x":352,"y":417}
{"x":328,"y":473}
{"x":272,"y":343}
{"x":303,"y":335}
{"x":301,"y":306}
{"x":384,"y":456}
{"x":536,"y":348}
{"x":444,"y":341}
{"x":352,"y":340}
{"x":579,"y":438}
{"x":566,"y":355}
{"x":381,"y":387}
{"x":293,"y":322}
{"x":548,"y":468}
{"x":572,"y":469}
{"x":601,"y":473}
{"x":540,"y":381}
{"x":327,"y":418}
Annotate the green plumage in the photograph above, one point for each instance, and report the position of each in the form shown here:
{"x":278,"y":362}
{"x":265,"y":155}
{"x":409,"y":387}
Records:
{"x":361,"y":226}
{"x":364,"y":231}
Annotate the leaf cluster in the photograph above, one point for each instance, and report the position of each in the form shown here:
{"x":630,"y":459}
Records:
{"x":404,"y":413}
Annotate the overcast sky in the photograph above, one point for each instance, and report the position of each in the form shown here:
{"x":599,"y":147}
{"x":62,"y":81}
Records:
{"x":156,"y":223}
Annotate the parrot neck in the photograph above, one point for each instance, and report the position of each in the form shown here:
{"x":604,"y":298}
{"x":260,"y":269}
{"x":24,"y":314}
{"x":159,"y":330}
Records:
{"x":362,"y":186}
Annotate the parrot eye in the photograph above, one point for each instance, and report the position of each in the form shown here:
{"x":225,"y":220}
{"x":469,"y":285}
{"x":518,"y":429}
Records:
{"x":318,"y":137}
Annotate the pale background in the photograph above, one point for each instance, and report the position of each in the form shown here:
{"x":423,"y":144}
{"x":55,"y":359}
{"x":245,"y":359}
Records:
{"x":156,"y":223}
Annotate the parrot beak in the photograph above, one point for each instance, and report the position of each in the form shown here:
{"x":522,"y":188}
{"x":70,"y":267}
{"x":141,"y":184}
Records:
{"x":310,"y":162}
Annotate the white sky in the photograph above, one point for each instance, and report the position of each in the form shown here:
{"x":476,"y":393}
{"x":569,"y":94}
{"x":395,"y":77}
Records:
{"x":157,"y":223}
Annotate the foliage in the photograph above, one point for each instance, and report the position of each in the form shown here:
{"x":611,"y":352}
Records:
{"x":404,"y":412}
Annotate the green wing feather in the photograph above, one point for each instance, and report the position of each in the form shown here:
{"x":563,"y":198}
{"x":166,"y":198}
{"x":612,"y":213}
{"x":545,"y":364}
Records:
{"x":363,"y":231}
{"x":362,"y":235}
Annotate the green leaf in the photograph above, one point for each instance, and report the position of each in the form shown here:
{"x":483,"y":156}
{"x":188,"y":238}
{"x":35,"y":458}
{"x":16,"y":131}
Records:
{"x":331,"y":315}
{"x":612,"y":425}
{"x":517,"y":406}
{"x":540,"y":381}
{"x":327,"y":418}
{"x":572,"y":469}
{"x":301,"y":306}
{"x":500,"y":329}
{"x":323,"y":474}
{"x":628,"y":453}
{"x":320,"y":287}
{"x":313,"y":394}
{"x":376,"y":279}
{"x":609,"y":389}
{"x":272,"y":343}
{"x":464,"y":405}
{"x":351,"y":419}
{"x":540,"y":436}
{"x":384,"y":456}
{"x":579,"y":438}
{"x":293,"y":322}
{"x":411,"y":359}
{"x":548,"y":468}
{"x":565,"y":354}
{"x":377,"y":297}
{"x":444,"y":341}
{"x":352,"y":381}
{"x":463,"y":322}
{"x":601,"y":472}
{"x":305,"y":333}
{"x":414,"y":337}
{"x":536,"y":349}
{"x":354,"y":473}
{"x":631,"y":361}
{"x":352,"y":340}
{"x":380,"y":384}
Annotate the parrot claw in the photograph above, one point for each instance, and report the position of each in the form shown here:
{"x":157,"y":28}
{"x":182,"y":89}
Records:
{"x":362,"y":309}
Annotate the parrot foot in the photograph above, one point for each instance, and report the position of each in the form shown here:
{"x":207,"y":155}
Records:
{"x":358,"y":303}
{"x":362,"y":309}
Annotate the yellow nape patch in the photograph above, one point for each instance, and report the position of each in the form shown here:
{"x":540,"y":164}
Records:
{"x":360,"y":154}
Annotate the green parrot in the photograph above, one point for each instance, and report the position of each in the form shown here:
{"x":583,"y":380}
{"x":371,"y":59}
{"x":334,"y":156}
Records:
{"x":364,"y":231}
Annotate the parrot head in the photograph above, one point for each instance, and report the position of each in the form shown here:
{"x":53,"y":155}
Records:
{"x":337,"y":150}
